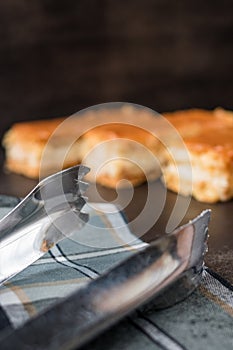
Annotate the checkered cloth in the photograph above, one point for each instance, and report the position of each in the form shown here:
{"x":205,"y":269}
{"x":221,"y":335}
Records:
{"x":202,"y":321}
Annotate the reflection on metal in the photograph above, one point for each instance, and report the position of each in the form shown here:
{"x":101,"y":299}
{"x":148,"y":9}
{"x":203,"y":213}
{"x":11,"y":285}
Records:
{"x":50,"y":212}
{"x":154,"y":272}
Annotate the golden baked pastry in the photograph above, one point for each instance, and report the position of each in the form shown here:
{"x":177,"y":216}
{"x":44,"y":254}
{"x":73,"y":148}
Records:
{"x":24,"y":144}
{"x":118,"y":152}
{"x":195,"y":153}
{"x":108,"y":141}
{"x":208,"y":136}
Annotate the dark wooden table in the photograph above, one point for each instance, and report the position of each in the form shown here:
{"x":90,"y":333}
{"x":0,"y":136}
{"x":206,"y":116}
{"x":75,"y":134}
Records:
{"x":220,"y":255}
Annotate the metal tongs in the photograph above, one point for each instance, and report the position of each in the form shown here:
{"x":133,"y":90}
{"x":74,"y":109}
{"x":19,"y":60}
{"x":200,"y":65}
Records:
{"x":48,"y":214}
{"x":166,"y":271}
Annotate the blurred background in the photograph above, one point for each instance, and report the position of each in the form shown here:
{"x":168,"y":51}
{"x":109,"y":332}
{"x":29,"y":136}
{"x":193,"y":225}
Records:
{"x":57,"y":57}
{"x":60,"y":56}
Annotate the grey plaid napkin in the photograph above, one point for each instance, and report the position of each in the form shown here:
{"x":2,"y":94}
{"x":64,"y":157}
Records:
{"x":203,"y":321}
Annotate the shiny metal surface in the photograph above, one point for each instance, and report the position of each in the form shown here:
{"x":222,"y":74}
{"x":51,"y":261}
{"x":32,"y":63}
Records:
{"x":130,"y":284}
{"x":40,"y":220}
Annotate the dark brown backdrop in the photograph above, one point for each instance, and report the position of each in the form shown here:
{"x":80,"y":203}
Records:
{"x":57,"y":56}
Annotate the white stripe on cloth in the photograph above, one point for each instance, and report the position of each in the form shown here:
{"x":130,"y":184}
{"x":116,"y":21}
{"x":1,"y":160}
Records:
{"x":46,"y":259}
{"x":157,"y":335}
{"x":85,"y":270}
